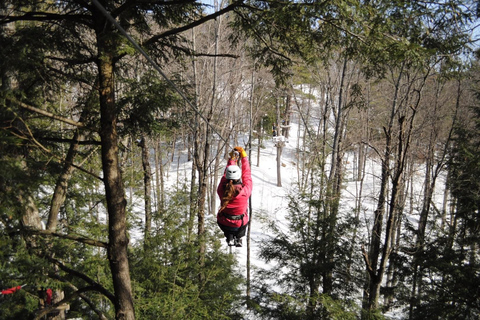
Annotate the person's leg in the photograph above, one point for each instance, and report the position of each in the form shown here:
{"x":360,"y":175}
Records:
{"x":239,"y":235}
{"x":230,"y":238}
{"x":229,"y":234}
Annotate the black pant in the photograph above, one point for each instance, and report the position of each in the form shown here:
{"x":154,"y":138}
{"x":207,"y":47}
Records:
{"x":231,"y":233}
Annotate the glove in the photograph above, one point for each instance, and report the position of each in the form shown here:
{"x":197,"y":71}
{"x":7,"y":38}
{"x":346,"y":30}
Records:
{"x":234,"y":154}
{"x":240,"y":151}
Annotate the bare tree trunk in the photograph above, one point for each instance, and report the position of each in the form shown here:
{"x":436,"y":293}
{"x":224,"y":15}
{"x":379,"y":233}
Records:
{"x":432,"y":171}
{"x":359,"y":176}
{"x":193,"y":201}
{"x":334,"y":186}
{"x":195,"y":156}
{"x":159,"y":178}
{"x":260,"y":140}
{"x":405,"y":124}
{"x":202,"y":168}
{"x":204,"y":165}
{"x":302,"y":159}
{"x":286,"y":119}
{"x":279,"y":144}
{"x":250,"y":199}
{"x":147,"y":179}
{"x":372,"y":286}
{"x":391,"y":271}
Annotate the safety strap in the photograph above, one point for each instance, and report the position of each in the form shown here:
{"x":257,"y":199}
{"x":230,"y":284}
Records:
{"x":233,"y":217}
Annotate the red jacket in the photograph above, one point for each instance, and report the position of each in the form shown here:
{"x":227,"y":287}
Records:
{"x":239,"y":204}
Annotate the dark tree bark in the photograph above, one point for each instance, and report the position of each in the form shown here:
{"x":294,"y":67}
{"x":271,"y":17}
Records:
{"x":372,"y":286}
{"x":147,"y":180}
{"x":59,"y":194}
{"x":280,"y":143}
{"x":114,"y":189}
{"x":159,"y":179}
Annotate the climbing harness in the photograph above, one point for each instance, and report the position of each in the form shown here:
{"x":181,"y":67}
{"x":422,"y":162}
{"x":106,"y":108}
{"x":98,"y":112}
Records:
{"x":233,"y":217}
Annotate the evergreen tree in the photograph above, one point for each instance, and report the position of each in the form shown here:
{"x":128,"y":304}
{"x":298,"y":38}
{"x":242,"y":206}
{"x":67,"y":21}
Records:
{"x":294,"y":287}
{"x":451,"y":262}
{"x":165,"y":275}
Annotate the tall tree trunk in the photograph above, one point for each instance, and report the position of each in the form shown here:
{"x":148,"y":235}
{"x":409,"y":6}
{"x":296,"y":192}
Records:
{"x":360,"y":177}
{"x":204,"y":164}
{"x":334,"y":187}
{"x":194,"y":137}
{"x":147,"y":185}
{"x":259,"y":141}
{"x":391,"y":272}
{"x":159,"y":178}
{"x":286,"y":119}
{"x":279,"y":144}
{"x":114,"y":189}
{"x":405,"y":124}
{"x":202,"y":167}
{"x":372,"y":286}
{"x":250,"y":207}
{"x":432,"y":171}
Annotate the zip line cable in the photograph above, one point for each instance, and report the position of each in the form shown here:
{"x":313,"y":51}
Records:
{"x":154,"y":64}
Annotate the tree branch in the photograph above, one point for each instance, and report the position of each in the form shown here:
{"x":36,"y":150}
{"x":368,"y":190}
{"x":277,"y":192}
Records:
{"x":81,"y":239}
{"x":131,"y":3}
{"x":79,"y":293}
{"x":93,"y":285}
{"x":233,"y":6}
{"x":370,"y":270}
{"x":45,"y":113}
{"x":44,"y":16}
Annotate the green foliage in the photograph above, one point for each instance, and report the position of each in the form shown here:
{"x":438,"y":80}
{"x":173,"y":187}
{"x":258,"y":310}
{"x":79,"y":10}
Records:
{"x":372,"y":315}
{"x":412,"y":34}
{"x":302,"y":262}
{"x":450,"y":290}
{"x":146,"y":103}
{"x":338,"y":309}
{"x":16,"y":305}
{"x":166,"y":274}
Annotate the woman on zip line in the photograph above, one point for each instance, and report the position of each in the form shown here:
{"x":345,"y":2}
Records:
{"x":234,"y":190}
